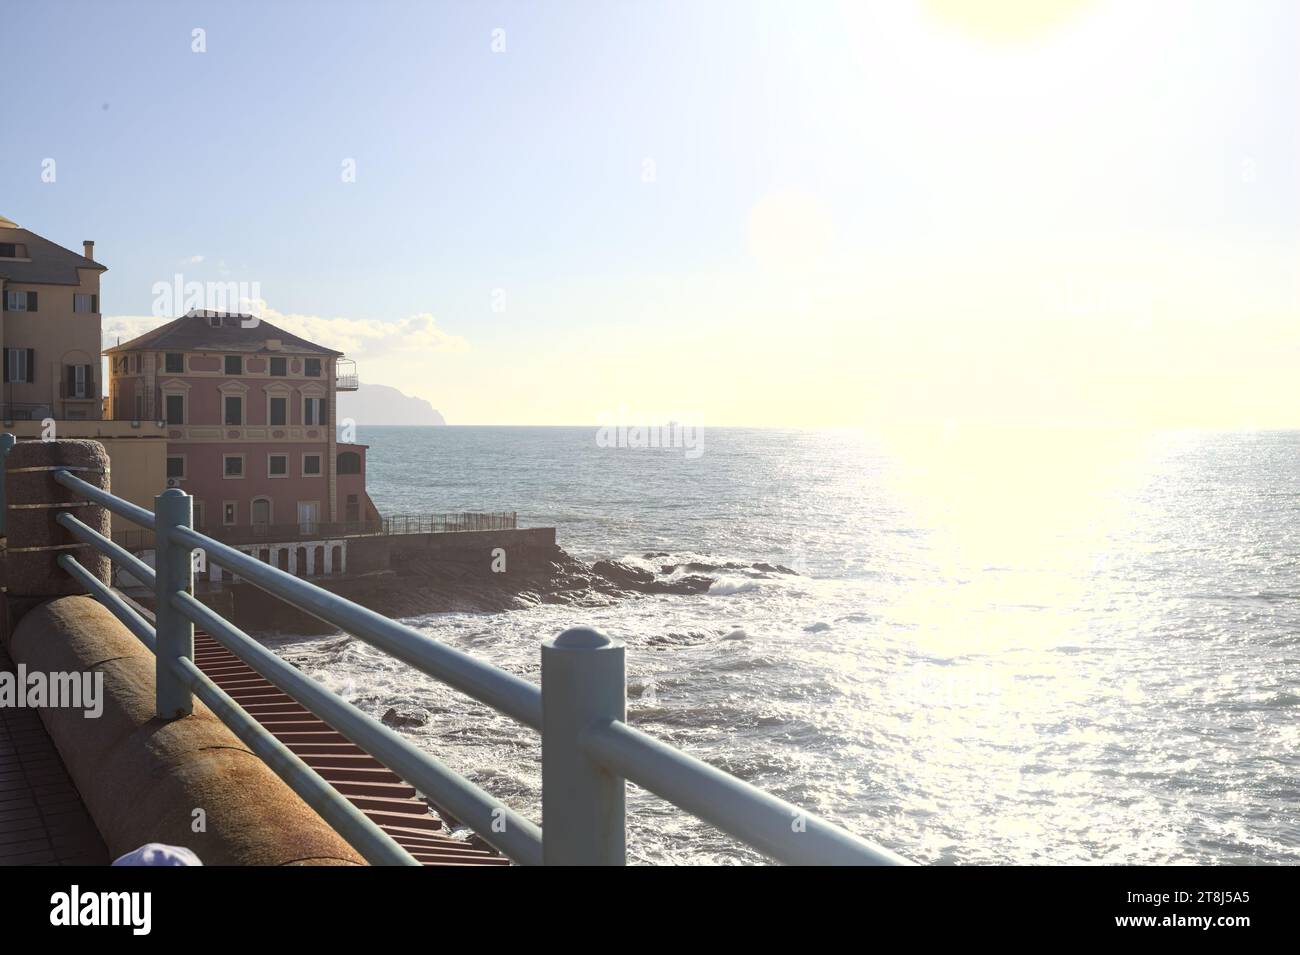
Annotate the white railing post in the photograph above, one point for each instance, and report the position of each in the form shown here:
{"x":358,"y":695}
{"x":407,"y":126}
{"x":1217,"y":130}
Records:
{"x":173,"y":568}
{"x":583,"y":804}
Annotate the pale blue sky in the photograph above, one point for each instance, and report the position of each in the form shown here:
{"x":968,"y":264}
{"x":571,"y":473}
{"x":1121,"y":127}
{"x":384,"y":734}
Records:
{"x":905,"y":138}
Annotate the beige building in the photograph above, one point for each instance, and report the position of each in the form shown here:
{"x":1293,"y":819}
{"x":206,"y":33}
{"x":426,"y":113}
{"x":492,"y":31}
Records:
{"x":52,"y":386}
{"x":49,"y":328}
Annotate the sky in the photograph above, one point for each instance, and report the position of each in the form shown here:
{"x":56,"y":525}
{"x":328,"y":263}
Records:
{"x":814,"y":214}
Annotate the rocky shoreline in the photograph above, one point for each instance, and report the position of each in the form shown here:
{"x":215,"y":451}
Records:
{"x":449,"y":586}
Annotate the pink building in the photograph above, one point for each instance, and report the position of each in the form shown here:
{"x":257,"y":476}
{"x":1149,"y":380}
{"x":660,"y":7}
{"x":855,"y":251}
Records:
{"x":251,"y":426}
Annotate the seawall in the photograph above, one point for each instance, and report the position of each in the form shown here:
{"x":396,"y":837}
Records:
{"x":187,"y":782}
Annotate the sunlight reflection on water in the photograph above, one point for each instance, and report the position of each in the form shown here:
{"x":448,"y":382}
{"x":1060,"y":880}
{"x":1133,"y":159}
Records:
{"x":1006,"y":647}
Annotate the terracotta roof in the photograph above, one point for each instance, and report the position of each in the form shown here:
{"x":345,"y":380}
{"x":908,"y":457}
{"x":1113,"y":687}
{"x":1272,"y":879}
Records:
{"x":195,"y":331}
{"x":50,"y":264}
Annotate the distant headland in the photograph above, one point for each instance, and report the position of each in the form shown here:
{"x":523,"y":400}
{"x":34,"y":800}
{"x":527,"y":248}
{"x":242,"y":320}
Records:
{"x":383,"y":405}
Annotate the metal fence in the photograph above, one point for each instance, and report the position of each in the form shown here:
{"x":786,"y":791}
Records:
{"x":589,"y":751}
{"x":140,"y":539}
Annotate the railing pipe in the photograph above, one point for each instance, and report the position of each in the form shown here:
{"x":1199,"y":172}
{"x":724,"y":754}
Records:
{"x":776,"y":828}
{"x":503,"y":691}
{"x":357,"y":829}
{"x":505,"y":829}
{"x":134,"y":565}
{"x":173,"y":574}
{"x":132,"y":512}
{"x":123,"y":611}
{"x":376,"y":846}
{"x":583,"y":803}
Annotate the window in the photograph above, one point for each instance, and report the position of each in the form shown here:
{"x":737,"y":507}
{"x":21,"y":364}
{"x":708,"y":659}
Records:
{"x":349,"y":462}
{"x":279,"y":367}
{"x":175,"y":409}
{"x":80,"y":384}
{"x":277,"y":465}
{"x":313,"y":411}
{"x":229,"y":512}
{"x":8,"y":250}
{"x":310,"y":464}
{"x":234,"y":409}
{"x":279,"y":410}
{"x":135,"y":363}
{"x":198,"y":514}
{"x":20,"y":364}
{"x":312,"y":367}
{"x":261,"y":511}
{"x":174,"y":363}
{"x":16,"y":301}
{"x":85,"y":303}
{"x":234,"y":364}
{"x":233,"y":465}
{"x":176,"y":467}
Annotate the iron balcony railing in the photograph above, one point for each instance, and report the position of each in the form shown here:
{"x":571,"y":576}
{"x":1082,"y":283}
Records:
{"x":345,"y":375}
{"x":137,"y":539}
{"x":589,"y":751}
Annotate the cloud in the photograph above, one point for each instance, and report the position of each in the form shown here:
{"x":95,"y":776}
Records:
{"x":369,"y":337}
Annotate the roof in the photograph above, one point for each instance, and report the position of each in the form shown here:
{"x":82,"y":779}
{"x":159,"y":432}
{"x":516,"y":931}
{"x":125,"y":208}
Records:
{"x":194,"y":331}
{"x":50,"y":264}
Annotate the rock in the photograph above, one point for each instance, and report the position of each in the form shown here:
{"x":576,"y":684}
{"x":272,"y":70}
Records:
{"x":737,"y":634}
{"x":817,"y":627}
{"x":410,"y":718}
{"x":622,"y":573}
{"x":692,"y":584}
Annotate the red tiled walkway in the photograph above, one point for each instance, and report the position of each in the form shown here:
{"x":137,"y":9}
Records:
{"x":370,"y":786}
{"x":42,"y":818}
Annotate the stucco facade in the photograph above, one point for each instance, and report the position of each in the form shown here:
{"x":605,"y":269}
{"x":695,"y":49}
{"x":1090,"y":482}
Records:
{"x":49,"y":328}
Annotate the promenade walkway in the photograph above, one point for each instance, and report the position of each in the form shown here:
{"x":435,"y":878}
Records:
{"x":42,"y":819}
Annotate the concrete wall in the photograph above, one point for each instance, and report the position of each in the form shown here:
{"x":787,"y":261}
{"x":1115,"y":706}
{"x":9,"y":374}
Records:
{"x":142,"y":778}
{"x":526,"y":548}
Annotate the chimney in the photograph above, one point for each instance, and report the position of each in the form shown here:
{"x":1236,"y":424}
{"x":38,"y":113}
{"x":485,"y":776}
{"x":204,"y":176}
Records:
{"x":90,"y":249}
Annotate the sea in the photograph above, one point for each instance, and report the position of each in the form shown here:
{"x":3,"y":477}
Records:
{"x":997,"y":646}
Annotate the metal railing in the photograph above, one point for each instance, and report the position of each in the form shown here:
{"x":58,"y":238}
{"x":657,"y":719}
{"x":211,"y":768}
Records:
{"x":137,"y":539}
{"x":589,"y":751}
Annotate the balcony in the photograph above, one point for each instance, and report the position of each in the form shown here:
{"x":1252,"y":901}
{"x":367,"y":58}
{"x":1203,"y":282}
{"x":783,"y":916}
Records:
{"x":345,"y":375}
